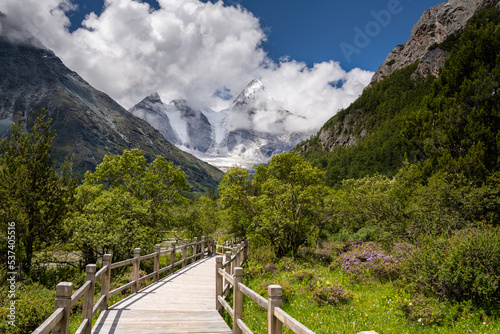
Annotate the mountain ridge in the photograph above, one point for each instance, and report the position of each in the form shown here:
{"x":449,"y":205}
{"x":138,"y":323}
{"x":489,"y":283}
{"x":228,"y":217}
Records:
{"x":88,"y":123}
{"x":249,"y":132}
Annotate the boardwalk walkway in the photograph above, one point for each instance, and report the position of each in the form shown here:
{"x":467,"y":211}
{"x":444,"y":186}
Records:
{"x":180,"y":303}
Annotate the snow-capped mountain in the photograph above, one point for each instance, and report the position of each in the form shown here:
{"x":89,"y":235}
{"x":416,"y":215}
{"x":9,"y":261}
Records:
{"x":248,"y":133}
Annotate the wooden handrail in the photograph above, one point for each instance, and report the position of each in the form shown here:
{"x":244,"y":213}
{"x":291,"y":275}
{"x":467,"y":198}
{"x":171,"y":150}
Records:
{"x":79,"y":293}
{"x":290,"y":322}
{"x":232,"y":277}
{"x":59,"y":320}
{"x":48,"y":325}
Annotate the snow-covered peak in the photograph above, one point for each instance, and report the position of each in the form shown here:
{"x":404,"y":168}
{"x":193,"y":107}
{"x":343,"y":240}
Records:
{"x":149,"y":101}
{"x":154,"y":98}
{"x":254,"y":90}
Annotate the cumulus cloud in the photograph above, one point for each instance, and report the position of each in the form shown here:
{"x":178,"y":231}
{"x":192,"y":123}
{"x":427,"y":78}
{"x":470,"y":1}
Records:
{"x":187,"y":49}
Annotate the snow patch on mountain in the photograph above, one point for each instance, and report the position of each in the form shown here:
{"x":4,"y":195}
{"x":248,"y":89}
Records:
{"x":250,"y":132}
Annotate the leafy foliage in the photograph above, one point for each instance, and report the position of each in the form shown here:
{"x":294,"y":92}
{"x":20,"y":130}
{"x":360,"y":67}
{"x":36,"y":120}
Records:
{"x":123,"y":203}
{"x":459,"y":268}
{"x":283,"y":202}
{"x":32,"y":194}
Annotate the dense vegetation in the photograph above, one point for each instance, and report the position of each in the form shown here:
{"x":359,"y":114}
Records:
{"x":449,"y":124}
{"x":399,"y":233}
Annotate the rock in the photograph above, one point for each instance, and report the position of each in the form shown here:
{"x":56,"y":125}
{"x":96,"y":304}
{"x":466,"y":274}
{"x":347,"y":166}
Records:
{"x":368,"y":332}
{"x":435,"y":25}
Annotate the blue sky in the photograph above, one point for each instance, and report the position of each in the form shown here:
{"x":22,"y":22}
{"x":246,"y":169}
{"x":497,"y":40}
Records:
{"x":312,"y":31}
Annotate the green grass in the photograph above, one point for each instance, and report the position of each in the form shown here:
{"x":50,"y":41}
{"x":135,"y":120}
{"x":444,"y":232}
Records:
{"x":373,"y":306}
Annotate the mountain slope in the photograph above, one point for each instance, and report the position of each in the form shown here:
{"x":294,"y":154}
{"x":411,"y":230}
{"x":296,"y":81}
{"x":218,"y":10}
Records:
{"x":451,"y":123}
{"x":87,"y":122}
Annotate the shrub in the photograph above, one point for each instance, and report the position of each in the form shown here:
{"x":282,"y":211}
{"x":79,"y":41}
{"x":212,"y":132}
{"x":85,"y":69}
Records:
{"x":465,"y":266}
{"x":303,"y":276}
{"x":424,"y":310}
{"x":370,"y":259}
{"x":331,"y":295}
{"x":288,"y":290}
{"x":322,"y":255}
{"x":287,"y":264}
{"x":34,"y":304}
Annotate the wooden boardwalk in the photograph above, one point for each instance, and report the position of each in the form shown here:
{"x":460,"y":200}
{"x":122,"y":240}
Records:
{"x":180,"y":303}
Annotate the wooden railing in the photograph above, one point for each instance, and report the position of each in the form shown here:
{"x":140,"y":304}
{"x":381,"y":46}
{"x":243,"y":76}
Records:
{"x":229,"y":275}
{"x":58,"y":322}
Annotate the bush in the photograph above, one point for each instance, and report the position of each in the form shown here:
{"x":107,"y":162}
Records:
{"x":369,"y":259}
{"x":322,"y":255}
{"x":287,"y":264}
{"x":288,"y":290}
{"x":424,"y":310}
{"x":34,"y":304}
{"x":465,"y":266}
{"x":303,"y":276}
{"x":331,"y":295}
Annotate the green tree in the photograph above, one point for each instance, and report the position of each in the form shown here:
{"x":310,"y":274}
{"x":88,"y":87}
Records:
{"x":284,"y":201}
{"x":32,"y":194}
{"x":198,"y":218}
{"x":123,"y":203}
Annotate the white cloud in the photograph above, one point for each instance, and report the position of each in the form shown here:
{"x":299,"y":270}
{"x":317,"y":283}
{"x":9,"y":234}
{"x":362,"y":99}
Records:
{"x":186,"y":49}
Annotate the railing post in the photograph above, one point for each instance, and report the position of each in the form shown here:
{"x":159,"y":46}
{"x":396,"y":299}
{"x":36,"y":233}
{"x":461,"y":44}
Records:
{"x":88,"y":298}
{"x":236,"y":262}
{"x":63,"y":299}
{"x":242,"y":254}
{"x":203,"y":247}
{"x":195,"y":248}
{"x":209,"y":246}
{"x":274,"y":325}
{"x":218,"y":283}
{"x":248,"y":248}
{"x":105,"y":280}
{"x":228,"y":267}
{"x":237,"y":299}
{"x":172,"y":257}
{"x":136,"y":268}
{"x":184,"y":253}
{"x":157,"y":262}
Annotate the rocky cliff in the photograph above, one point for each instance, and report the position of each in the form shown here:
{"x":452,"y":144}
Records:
{"x":435,"y":25}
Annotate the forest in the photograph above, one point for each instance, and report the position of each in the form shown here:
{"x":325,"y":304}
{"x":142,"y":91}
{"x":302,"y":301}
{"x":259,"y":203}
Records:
{"x":399,"y":233}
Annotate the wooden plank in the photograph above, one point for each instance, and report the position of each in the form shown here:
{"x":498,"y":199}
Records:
{"x":120,"y":289}
{"x":82,"y":327}
{"x":183,"y":302}
{"x":253,"y":295}
{"x":122,"y":263}
{"x":228,"y":277}
{"x":244,"y":327}
{"x":100,"y":272}
{"x":48,"y":325}
{"x":98,"y":305}
{"x":149,"y":256}
{"x":79,"y":293}
{"x":290,"y":322}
